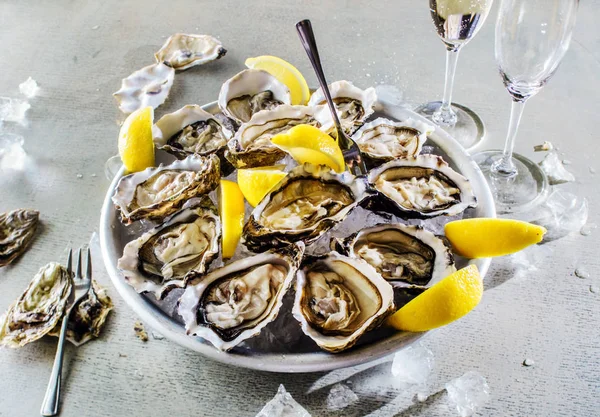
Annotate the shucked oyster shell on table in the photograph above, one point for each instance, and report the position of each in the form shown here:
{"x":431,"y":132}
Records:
{"x":182,"y":51}
{"x":17,"y":229}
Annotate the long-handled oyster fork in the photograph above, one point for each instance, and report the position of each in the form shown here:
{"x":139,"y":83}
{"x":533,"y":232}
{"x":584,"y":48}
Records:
{"x":352,"y":155}
{"x":81,"y":286}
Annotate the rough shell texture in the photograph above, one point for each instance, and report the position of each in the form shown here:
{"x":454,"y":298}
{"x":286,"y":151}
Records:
{"x":158,"y":192}
{"x":182,"y":51}
{"x":17,"y":229}
{"x":149,"y":86}
{"x":193,"y":308}
{"x":39,"y":309}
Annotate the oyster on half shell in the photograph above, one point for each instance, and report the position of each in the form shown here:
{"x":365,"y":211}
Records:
{"x":158,"y":192}
{"x":338,"y":299}
{"x":17,"y":229}
{"x":163,"y":258}
{"x":235,"y":302}
{"x":149,"y":86}
{"x":182,"y":51}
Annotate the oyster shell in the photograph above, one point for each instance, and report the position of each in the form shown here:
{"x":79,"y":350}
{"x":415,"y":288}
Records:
{"x":353,"y":104}
{"x":308,"y":202}
{"x":162,"y":258}
{"x":158,"y":192}
{"x":149,"y":86}
{"x":182,"y":51}
{"x":338,"y":299}
{"x":17,"y":229}
{"x":420,"y":187}
{"x":235,"y":302}
{"x":383,"y":140}
{"x":400,"y":252}
{"x":38,"y":310}
{"x":249,"y":92}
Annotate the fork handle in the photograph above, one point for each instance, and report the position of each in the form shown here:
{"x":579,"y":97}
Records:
{"x":50,"y":404}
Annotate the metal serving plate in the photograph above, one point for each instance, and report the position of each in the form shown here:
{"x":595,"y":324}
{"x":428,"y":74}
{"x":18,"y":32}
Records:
{"x":112,"y":240}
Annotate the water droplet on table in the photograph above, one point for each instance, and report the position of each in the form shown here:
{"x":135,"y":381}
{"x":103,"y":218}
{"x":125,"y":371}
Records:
{"x":587,"y":229}
{"x":582,"y":273}
{"x":80,"y":176}
{"x":528,"y":362}
{"x":595,"y":289}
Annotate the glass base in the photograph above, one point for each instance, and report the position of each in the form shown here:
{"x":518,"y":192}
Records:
{"x":517,"y":193}
{"x":469,"y":130}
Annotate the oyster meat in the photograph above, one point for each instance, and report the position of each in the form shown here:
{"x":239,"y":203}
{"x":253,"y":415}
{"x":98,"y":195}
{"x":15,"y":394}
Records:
{"x":308,"y":202}
{"x":182,"y":51}
{"x":149,"y":86}
{"x":38,"y":310}
{"x":17,"y":229}
{"x":235,"y":302}
{"x":158,"y":192}
{"x":162,"y":258}
{"x":400,"y":252}
{"x":421,"y":187}
{"x":251,"y":91}
{"x":338,"y":299}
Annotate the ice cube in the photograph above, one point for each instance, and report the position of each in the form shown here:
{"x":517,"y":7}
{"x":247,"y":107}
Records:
{"x":468,"y":393}
{"x":412,"y":365}
{"x":340,"y":396}
{"x":29,"y":88}
{"x":283,"y":405}
{"x":13,"y":110}
{"x":555,"y":170}
{"x":565,"y":213}
{"x":12,"y":154}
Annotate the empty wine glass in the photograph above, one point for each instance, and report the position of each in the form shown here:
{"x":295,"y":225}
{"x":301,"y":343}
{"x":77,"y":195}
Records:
{"x":532,"y":36}
{"x":457,"y":22}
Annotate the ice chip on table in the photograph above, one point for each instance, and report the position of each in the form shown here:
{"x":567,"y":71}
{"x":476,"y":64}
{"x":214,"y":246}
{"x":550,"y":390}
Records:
{"x":555,"y":169}
{"x":13,"y":110}
{"x":283,"y":405}
{"x":412,"y":365}
{"x":29,"y":88}
{"x":468,"y":393}
{"x":565,"y":213}
{"x":340,"y":396}
{"x":12,"y":154}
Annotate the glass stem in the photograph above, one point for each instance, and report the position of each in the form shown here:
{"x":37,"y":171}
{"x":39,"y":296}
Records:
{"x":505,"y":165}
{"x":444,"y":115}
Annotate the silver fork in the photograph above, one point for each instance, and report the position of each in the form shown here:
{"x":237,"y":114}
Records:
{"x":80,"y":288}
{"x":350,"y":150}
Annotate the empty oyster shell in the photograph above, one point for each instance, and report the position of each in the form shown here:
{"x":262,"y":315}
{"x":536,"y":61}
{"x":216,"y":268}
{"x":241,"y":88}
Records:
{"x":353,"y":104}
{"x":149,"y":86}
{"x":235,"y":302}
{"x":182,"y":51}
{"x":420,"y":187}
{"x":338,"y":299}
{"x":308,"y":202}
{"x":162,"y":258}
{"x":17,"y":229}
{"x":400,"y":252}
{"x":38,"y":310}
{"x":249,"y":92}
{"x":158,"y":192}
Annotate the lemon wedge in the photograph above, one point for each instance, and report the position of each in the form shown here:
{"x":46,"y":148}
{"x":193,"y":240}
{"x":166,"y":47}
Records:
{"x":487,"y":237}
{"x":306,"y":143}
{"x":231,"y":207}
{"x":255,"y":183}
{"x":447,"y":301}
{"x":285,"y":73}
{"x":136,"y":147}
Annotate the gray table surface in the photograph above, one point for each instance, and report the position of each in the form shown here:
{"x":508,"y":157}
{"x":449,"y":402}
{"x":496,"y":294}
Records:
{"x":543,"y":312}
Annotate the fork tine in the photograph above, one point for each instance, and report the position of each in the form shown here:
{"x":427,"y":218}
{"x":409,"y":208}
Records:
{"x":70,"y":262}
{"x":88,"y":273}
{"x":78,"y":273}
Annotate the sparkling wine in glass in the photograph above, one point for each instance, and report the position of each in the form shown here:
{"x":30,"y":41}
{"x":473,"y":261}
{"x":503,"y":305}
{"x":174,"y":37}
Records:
{"x":456,"y":22}
{"x":532,"y":36}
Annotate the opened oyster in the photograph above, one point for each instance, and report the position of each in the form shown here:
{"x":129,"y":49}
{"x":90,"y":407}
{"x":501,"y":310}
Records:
{"x":421,"y":187}
{"x":338,"y":299}
{"x":353,"y":104}
{"x":149,"y":86}
{"x":400,"y":252}
{"x":237,"y":301}
{"x":162,"y":258}
{"x":308,"y":202}
{"x":38,"y":310}
{"x":17,"y":229}
{"x":251,"y":91}
{"x":383,"y":140}
{"x":158,"y":192}
{"x":182,"y":51}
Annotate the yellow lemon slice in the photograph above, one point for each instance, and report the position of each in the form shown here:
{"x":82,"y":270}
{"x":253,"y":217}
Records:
{"x":482,"y":237}
{"x":231,"y":207}
{"x":255,"y":183}
{"x":447,"y":301}
{"x":136,"y":147}
{"x":285,"y":73}
{"x":307,"y":143}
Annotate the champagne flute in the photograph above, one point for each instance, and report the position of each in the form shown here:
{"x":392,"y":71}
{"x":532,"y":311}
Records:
{"x":457,"y":22}
{"x":532,"y":36}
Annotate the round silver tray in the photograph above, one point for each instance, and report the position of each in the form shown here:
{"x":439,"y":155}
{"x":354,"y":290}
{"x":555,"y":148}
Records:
{"x":112,"y":241}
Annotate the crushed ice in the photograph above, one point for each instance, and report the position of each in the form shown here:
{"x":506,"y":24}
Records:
{"x":29,"y":88}
{"x":564,"y":213}
{"x":13,"y":110}
{"x":468,"y":393}
{"x":412,"y":365}
{"x":340,"y":396}
{"x":12,"y":154}
{"x":283,"y":405}
{"x":555,"y":170}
